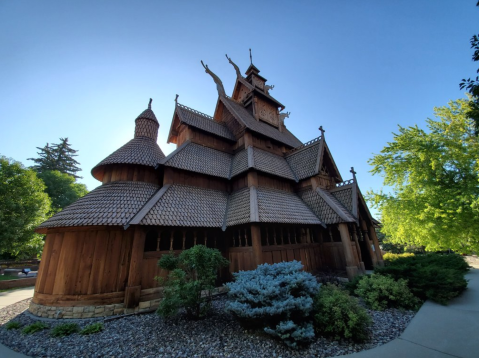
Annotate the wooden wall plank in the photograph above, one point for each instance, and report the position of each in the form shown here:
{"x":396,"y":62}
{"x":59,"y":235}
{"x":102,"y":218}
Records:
{"x":52,"y":267}
{"x":86,"y":263}
{"x":44,"y":263}
{"x":67,"y":255}
{"x":125,"y":255}
{"x":96,"y":276}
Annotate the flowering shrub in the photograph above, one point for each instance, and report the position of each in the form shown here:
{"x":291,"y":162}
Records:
{"x":391,"y":257}
{"x":277,"y":298}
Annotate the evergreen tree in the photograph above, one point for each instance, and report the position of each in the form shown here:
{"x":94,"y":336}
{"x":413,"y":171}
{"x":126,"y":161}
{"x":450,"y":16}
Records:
{"x":57,"y":157}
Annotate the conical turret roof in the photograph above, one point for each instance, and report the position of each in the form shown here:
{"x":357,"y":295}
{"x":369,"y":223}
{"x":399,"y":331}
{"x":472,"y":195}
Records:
{"x":141,"y":150}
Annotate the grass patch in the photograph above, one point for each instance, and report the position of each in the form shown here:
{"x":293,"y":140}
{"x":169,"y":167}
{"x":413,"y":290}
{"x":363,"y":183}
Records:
{"x":92,"y":328}
{"x":35,"y":327}
{"x":8,"y":277}
{"x":13,"y":325}
{"x":64,"y":329}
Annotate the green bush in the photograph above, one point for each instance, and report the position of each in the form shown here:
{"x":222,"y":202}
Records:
{"x":352,"y":285}
{"x":13,"y":325}
{"x":64,"y":329}
{"x":438,"y":277}
{"x":92,"y":328}
{"x":339,"y":315}
{"x":192,"y":273}
{"x":381,"y":292}
{"x":391,"y":257}
{"x":34,"y":327}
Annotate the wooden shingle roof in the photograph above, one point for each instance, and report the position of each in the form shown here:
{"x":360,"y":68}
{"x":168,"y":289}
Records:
{"x":304,"y":161}
{"x":247,"y":119}
{"x":197,"y":158}
{"x":110,"y":204}
{"x":326,"y":207}
{"x":140,"y":150}
{"x":276,"y":206}
{"x":147,"y":114}
{"x":182,"y":205}
{"x":202,"y":121}
{"x":271,"y":163}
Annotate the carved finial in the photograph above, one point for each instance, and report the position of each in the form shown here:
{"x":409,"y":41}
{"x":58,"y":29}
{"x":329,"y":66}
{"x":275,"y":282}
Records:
{"x":250,"y":57}
{"x":176,"y":98}
{"x":267,"y":88}
{"x":353,"y":172}
{"x":219,"y":84}
{"x":238,"y":72}
{"x":322,"y":131}
{"x":149,"y":103}
{"x":282,"y":116}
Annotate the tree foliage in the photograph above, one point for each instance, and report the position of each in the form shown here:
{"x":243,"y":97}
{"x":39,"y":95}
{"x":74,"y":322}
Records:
{"x":190,"y":281}
{"x":23,"y":206}
{"x":472,"y":84}
{"x":434,"y":175}
{"x":61,"y":188}
{"x":57,"y":157}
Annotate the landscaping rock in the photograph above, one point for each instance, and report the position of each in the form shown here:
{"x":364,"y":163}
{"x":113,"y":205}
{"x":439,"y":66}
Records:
{"x":148,"y":335}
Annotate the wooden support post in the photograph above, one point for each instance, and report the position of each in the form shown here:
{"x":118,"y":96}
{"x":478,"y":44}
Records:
{"x":370,"y":246}
{"x":133,"y":287}
{"x":267,"y":237}
{"x":206,"y":238}
{"x":158,"y":241}
{"x":172,"y":236}
{"x":362,"y":268}
{"x":184,"y":240}
{"x":351,"y":265}
{"x":194,"y":242}
{"x":374,"y":237}
{"x":256,"y":244}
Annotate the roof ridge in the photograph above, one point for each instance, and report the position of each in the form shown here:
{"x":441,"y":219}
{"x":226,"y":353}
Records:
{"x":194,"y":111}
{"x":176,"y":151}
{"x":304,"y":145}
{"x":147,"y":207}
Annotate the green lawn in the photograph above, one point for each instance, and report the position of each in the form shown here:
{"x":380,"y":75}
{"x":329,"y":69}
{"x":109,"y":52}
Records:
{"x":8,"y":277}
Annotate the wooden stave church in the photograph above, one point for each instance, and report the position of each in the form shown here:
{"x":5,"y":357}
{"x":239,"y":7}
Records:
{"x":238,"y":181}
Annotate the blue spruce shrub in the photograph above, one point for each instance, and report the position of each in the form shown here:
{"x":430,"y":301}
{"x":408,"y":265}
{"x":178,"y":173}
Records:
{"x":277,"y":298}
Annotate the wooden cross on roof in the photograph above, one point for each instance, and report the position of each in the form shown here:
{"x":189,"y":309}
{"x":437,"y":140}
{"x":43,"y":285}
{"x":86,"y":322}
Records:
{"x":321,"y":130}
{"x":353,"y":172}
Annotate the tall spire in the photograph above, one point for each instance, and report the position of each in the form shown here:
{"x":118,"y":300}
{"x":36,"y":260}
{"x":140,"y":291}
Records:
{"x":250,"y":57}
{"x":146,"y":124}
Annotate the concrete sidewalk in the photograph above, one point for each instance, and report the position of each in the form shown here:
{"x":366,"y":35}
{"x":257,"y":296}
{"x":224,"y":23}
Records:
{"x":8,"y":298}
{"x":438,"y":331}
{"x":435,"y":332}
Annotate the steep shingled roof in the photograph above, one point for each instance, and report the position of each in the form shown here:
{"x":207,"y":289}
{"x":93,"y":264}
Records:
{"x":148,"y":114}
{"x":326,"y":206}
{"x":110,"y":204}
{"x":276,"y":206}
{"x":247,"y":119}
{"x":182,"y":205}
{"x":304,"y":161}
{"x":200,"y":159}
{"x":202,"y":121}
{"x":140,"y":150}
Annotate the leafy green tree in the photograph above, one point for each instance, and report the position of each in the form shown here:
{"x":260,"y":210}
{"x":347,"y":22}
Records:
{"x":472,"y":85}
{"x":57,"y":157}
{"x":23,"y":206}
{"x":61,"y":188}
{"x":434,"y":201}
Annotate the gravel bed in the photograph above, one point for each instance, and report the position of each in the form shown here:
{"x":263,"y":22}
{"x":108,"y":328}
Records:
{"x":148,"y":335}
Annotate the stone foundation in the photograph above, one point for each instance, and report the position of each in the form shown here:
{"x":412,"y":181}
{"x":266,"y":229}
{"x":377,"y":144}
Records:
{"x":90,"y":311}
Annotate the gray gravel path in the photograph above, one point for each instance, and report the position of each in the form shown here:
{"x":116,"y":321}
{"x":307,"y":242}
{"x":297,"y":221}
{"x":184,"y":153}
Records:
{"x":148,"y":335}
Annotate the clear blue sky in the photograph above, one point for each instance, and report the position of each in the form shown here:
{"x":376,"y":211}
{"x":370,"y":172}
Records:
{"x":86,"y":69}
